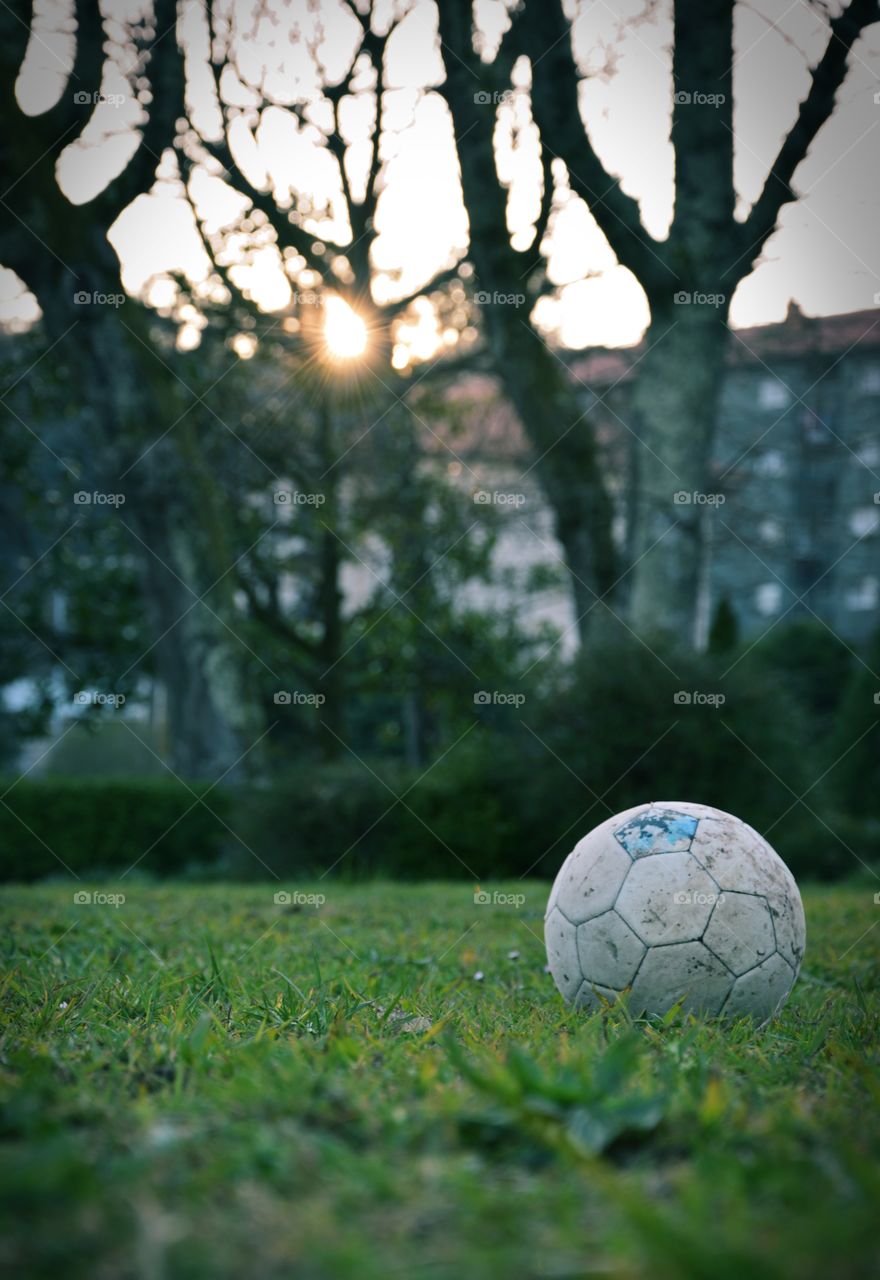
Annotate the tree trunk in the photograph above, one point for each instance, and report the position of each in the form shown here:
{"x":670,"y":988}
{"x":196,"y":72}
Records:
{"x":179,"y":538}
{"x":537,"y":383}
{"x":676,"y":399}
{"x":566,"y":459}
{"x":331,"y":682}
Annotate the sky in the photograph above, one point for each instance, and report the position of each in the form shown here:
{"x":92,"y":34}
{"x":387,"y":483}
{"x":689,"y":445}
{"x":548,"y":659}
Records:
{"x":824,"y":255}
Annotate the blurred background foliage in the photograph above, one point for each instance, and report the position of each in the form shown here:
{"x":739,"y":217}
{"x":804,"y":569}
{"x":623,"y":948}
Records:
{"x":521,"y":786}
{"x":293,"y":644}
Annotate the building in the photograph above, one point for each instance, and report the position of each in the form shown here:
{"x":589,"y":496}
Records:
{"x":795,"y":531}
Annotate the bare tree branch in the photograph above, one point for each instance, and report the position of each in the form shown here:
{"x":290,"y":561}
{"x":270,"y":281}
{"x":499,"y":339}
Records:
{"x":816,"y":108}
{"x":543,"y":220}
{"x":545,"y":35}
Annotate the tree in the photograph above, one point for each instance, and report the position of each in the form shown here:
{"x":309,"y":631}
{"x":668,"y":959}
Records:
{"x":134,"y":397}
{"x":724,"y":631}
{"x":535,"y":378}
{"x":394,"y":659}
{"x":854,"y":769}
{"x":706,"y":254}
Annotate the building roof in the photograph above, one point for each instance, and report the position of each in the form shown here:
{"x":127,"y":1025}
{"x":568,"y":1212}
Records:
{"x":796,"y":336}
{"x":489,"y":426}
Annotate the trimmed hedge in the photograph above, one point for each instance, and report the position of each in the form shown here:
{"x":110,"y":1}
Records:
{"x":97,"y":825}
{"x":624,"y":724}
{"x":612,"y":730}
{"x":455,"y":822}
{"x":484,"y":816}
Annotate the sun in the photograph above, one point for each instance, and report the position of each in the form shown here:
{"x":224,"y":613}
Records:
{"x":344,"y":331}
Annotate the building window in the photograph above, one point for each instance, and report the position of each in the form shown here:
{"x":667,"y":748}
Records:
{"x":816,"y":430}
{"x":773,"y":394}
{"x":770,"y":531}
{"x":771,"y":463}
{"x":868,"y":454}
{"x":768,"y":598}
{"x":864,"y":520}
{"x":869,"y":382}
{"x":864,"y":597}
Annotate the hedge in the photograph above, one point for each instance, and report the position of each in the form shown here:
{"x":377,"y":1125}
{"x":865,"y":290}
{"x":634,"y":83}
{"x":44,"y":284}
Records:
{"x":98,"y":825}
{"x":623,"y":725}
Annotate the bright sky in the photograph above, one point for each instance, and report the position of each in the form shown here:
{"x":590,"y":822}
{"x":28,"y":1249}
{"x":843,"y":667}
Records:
{"x":825,"y":255}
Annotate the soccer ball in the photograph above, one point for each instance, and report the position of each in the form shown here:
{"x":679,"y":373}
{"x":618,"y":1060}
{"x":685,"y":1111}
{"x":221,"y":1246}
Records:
{"x":675,"y":902}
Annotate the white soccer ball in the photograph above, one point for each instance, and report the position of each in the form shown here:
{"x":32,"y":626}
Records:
{"x":672,"y":902}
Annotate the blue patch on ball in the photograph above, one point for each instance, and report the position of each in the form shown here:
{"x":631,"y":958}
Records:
{"x":660,"y":831}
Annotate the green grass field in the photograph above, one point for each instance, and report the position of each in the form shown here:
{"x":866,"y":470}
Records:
{"x":202,"y":1083}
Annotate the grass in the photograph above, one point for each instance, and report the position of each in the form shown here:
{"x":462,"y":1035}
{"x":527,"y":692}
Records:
{"x":202,"y":1083}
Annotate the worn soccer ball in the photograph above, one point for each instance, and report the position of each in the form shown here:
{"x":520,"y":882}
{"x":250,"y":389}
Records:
{"x":675,"y":902}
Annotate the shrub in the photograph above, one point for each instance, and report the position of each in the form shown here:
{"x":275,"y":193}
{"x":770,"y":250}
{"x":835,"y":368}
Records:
{"x":96,"y":825}
{"x":635,"y":724}
{"x":724,"y":631}
{"x":826,"y":844}
{"x":511,"y":798}
{"x":854,"y":747}
{"x":315,"y":817}
{"x":529,"y":781}
{"x":811,"y":663}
